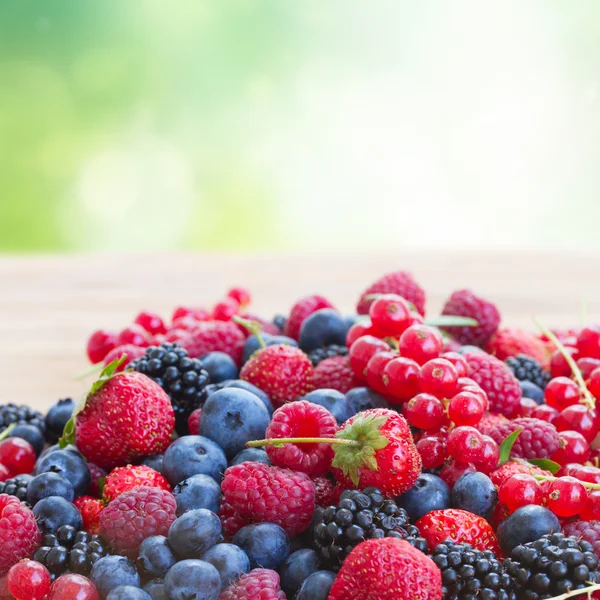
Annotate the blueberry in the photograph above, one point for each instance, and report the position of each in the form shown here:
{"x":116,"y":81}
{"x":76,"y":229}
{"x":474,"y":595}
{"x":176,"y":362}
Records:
{"x":70,"y":465}
{"x":364,"y":398}
{"x":220,"y":366}
{"x":252,"y":344}
{"x":193,"y":579}
{"x":468,"y":349}
{"x":197,"y":491}
{"x":475,"y":493}
{"x":155,"y":557}
{"x":316,"y":586}
{"x":249,"y":387}
{"x":57,"y":418}
{"x":296,"y":568}
{"x":323,"y":328}
{"x":49,"y":484}
{"x":31,"y":434}
{"x":526,"y":524}
{"x":266,"y":544}
{"x":429,"y":493}
{"x":193,"y":454}
{"x":250,"y":455}
{"x":53,"y":512}
{"x":230,"y":560}
{"x":110,"y":572}
{"x":349,"y":320}
{"x":530,"y":390}
{"x":155,"y":588}
{"x":154,"y":461}
{"x":335,"y":402}
{"x":69,"y":447}
{"x":128,"y":592}
{"x":232,"y":417}
{"x":194,"y":532}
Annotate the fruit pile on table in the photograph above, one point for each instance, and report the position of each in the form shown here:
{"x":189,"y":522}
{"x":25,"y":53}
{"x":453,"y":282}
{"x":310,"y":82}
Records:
{"x":385,"y":455}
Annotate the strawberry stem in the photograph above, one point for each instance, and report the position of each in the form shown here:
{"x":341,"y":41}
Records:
{"x":274,"y":442}
{"x":588,"y":399}
{"x":7,"y":431}
{"x":587,"y":484}
{"x":252,"y":326}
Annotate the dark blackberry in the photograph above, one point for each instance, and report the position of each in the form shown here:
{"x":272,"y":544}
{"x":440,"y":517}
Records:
{"x":468,"y":573}
{"x":11,"y":413}
{"x":358,"y":516}
{"x":16,"y":486}
{"x":526,"y":368}
{"x":316,"y":356}
{"x":551,"y":566}
{"x":182,"y":377}
{"x":70,"y":551}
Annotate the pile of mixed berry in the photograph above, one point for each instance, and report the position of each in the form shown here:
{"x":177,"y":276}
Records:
{"x":386,"y":455}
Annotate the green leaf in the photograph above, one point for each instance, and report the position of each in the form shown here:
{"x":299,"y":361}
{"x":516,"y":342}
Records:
{"x":451,"y":321}
{"x":506,"y":446}
{"x":546,"y":464}
{"x":101,"y":481}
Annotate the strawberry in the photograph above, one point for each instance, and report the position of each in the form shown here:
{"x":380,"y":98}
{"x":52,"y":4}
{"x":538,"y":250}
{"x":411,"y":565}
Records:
{"x":123,"y":479}
{"x":284,"y":373}
{"x":90,"y":509}
{"x":511,"y":342}
{"x":459,"y":526}
{"x":387,"y":568}
{"x":125,"y":415}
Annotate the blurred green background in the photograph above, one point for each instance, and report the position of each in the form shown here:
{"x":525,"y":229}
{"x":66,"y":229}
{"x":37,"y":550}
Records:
{"x":247,"y":124}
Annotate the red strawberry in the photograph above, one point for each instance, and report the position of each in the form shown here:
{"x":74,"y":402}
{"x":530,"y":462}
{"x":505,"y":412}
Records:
{"x":381,"y":453}
{"x":282,"y":372}
{"x":335,"y":373}
{"x":459,"y":526}
{"x":387,"y":568}
{"x":511,"y":342}
{"x":125,"y":415}
{"x":399,"y":282}
{"x":213,"y":336}
{"x":304,"y":308}
{"x":90,"y":509}
{"x":123,"y":479}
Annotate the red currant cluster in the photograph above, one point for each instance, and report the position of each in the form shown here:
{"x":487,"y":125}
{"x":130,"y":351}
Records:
{"x":405,"y":360}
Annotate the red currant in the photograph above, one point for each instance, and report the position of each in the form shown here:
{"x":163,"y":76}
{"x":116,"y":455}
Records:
{"x":460,"y":363}
{"x":100,"y":343}
{"x":424,"y":411}
{"x":28,"y":580}
{"x":438,"y":377}
{"x":151,"y":322}
{"x":588,"y":341}
{"x":433,"y":451}
{"x":466,"y":408}
{"x":416,"y":318}
{"x":17,"y":455}
{"x":73,"y":587}
{"x":582,"y":472}
{"x":357,"y":330}
{"x":587,"y":365}
{"x":561,"y":392}
{"x":225,"y":310}
{"x":520,"y":490}
{"x":573,"y":448}
{"x":421,"y":343}
{"x":361,"y":352}
{"x":578,"y":417}
{"x":526,"y":407}
{"x":466,"y":444}
{"x":591,"y":510}
{"x":198,"y":314}
{"x":240,"y":295}
{"x":559,"y":367}
{"x":134,"y":334}
{"x":566,"y":496}
{"x":390,"y":315}
{"x":375,"y":368}
{"x":4,"y":473}
{"x":490,"y":455}
{"x":545,"y":413}
{"x":401,"y":379}
{"x":452,"y":471}
{"x":593,"y":383}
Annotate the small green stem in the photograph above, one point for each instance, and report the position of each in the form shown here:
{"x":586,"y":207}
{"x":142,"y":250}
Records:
{"x":280,"y":441}
{"x":252,"y":326}
{"x":7,"y":431}
{"x":588,"y":399}
{"x":587,"y":484}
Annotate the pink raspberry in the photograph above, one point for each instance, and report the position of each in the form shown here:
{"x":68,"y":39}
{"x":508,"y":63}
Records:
{"x":538,"y":439}
{"x":301,"y":310}
{"x":399,"y":282}
{"x":489,"y":421}
{"x":497,"y":381}
{"x":136,"y":515}
{"x":194,"y":421}
{"x":214,"y":336}
{"x":335,"y":373}
{"x":302,"y":419}
{"x":258,"y":493}
{"x":19,"y":533}
{"x":585,"y":530}
{"x":464,"y":303}
{"x":259,"y":584}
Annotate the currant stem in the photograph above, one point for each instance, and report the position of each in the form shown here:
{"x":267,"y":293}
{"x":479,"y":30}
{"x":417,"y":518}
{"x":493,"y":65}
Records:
{"x":308,"y":440}
{"x":252,"y":326}
{"x":588,"y":399}
{"x":587,"y":590}
{"x":587,"y":484}
{"x":7,"y":431}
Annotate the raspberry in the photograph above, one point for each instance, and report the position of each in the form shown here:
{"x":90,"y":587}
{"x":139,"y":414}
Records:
{"x":497,"y":381}
{"x":585,"y":530}
{"x":90,"y":509}
{"x":136,"y":515}
{"x":509,"y":342}
{"x":304,"y":308}
{"x":260,"y":584}
{"x":231,"y":520}
{"x":400,"y":283}
{"x":335,"y":373}
{"x":327,"y":492}
{"x":538,"y":439}
{"x":507,"y":470}
{"x":214,"y":336}
{"x":465,"y":303}
{"x":194,"y":421}
{"x":260,"y":493}
{"x":123,"y":479}
{"x":19,"y":533}
{"x":489,"y":421}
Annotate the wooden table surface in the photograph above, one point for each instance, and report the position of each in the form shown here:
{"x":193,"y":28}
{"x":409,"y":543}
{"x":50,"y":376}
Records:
{"x":50,"y":304}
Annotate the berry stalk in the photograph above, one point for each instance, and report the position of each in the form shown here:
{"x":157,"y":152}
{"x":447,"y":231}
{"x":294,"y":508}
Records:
{"x":575,"y":593}
{"x":7,"y":431}
{"x":275,"y":442}
{"x":586,"y":484}
{"x":252,"y":326}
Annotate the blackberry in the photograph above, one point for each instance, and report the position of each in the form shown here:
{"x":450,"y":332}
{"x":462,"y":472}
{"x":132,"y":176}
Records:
{"x":468,"y":573}
{"x":11,"y":413}
{"x":182,"y":377}
{"x":553,"y":565}
{"x":70,"y":551}
{"x":358,"y":516}
{"x":16,"y":486}
{"x":316,"y":356}
{"x":526,"y":368}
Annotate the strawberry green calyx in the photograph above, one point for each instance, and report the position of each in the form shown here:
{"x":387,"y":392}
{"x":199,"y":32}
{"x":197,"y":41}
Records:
{"x":68,"y":436}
